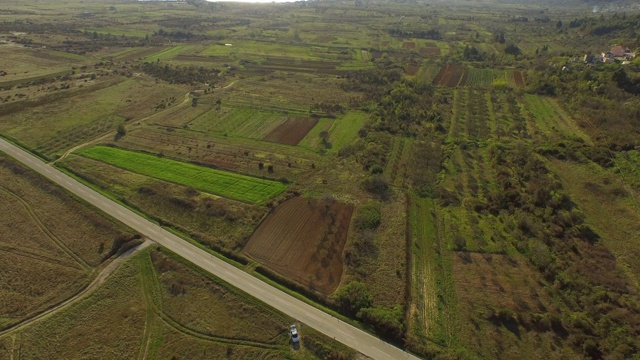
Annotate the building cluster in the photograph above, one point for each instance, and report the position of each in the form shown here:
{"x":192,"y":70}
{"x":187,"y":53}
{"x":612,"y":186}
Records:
{"x":617,"y":53}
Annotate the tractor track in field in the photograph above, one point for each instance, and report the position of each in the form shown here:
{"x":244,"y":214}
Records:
{"x":102,"y":276}
{"x":61,"y":245}
{"x":35,"y":256}
{"x":155,"y":311}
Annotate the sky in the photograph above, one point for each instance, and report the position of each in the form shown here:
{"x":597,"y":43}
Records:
{"x":255,"y":1}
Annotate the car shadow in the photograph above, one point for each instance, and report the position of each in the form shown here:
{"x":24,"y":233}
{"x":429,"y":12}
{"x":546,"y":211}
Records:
{"x":295,"y":345}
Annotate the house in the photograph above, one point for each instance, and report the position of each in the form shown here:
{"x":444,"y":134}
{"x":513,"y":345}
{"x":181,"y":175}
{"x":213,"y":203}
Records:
{"x":607,"y":55}
{"x":620,"y":50}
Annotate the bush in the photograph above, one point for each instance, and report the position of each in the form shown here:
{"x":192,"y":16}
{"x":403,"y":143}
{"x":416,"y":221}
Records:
{"x":376,"y":185}
{"x":353,"y":297}
{"x":368,"y":217}
{"x":387,"y":322}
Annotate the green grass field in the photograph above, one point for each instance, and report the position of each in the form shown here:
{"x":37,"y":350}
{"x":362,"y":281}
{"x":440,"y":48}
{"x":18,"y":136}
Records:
{"x":226,"y":184}
{"x":169,"y":53}
{"x":313,"y":137}
{"x":345,"y":129}
{"x":243,"y":122}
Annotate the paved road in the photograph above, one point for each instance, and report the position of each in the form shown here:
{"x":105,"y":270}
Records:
{"x":319,"y":320}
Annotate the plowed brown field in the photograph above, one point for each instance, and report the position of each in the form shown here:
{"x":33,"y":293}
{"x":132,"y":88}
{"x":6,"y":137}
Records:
{"x":450,"y":75}
{"x":517,"y":75}
{"x":408,"y":45}
{"x":303,"y":240}
{"x":291,"y":131}
{"x":430,"y":51}
{"x":411,"y":69}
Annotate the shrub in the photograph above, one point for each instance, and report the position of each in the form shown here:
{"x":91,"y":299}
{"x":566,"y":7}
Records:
{"x":387,"y":322}
{"x":352,"y":297}
{"x":376,"y":185}
{"x":368,"y":217}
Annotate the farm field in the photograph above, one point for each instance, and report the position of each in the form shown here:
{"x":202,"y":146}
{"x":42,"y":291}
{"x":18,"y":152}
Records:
{"x":291,"y":131}
{"x":234,"y":186}
{"x":345,"y":129}
{"x":24,"y":63}
{"x":451,"y":75}
{"x":50,"y":244}
{"x":216,"y":222}
{"x":253,"y":123}
{"x":303,"y":240}
{"x":457,"y":178}
{"x":158,"y":305}
{"x":243,"y":155}
{"x":54,"y":125}
{"x":245,"y":122}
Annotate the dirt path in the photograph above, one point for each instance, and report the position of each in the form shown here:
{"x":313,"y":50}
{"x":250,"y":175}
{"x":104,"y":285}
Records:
{"x":94,"y":285}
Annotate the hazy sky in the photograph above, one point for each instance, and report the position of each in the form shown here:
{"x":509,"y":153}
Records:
{"x":256,"y":1}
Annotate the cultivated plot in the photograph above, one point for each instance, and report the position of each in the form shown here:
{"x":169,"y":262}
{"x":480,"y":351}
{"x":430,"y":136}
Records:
{"x":303,"y":240}
{"x":231,"y":185}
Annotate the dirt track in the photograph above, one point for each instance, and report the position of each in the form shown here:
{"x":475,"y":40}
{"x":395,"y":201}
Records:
{"x":94,"y":285}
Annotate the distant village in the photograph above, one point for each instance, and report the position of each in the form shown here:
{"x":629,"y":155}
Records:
{"x":619,"y":54}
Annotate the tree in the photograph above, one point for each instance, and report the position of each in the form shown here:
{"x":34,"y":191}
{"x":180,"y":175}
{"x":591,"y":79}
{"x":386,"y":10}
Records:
{"x":559,"y":24}
{"x":353,"y":296}
{"x":121,"y":131}
{"x":324,"y":136}
{"x":512,"y":49}
{"x":470,"y":53}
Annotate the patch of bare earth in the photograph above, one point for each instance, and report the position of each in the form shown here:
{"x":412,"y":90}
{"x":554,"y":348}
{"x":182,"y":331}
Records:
{"x":429,"y":51}
{"x":408,"y":45}
{"x":303,"y":239}
{"x":291,"y":131}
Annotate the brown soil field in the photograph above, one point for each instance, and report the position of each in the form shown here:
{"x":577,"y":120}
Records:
{"x":450,"y":75}
{"x":429,"y":51}
{"x":303,"y":239}
{"x":411,"y":69}
{"x":517,"y":75}
{"x":291,"y":131}
{"x":408,"y":45}
{"x":463,"y":81}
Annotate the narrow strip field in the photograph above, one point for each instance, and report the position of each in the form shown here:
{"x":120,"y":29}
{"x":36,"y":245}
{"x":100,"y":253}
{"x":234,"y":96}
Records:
{"x":226,"y":184}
